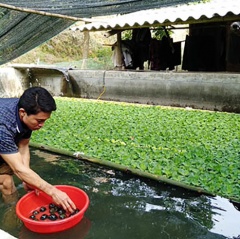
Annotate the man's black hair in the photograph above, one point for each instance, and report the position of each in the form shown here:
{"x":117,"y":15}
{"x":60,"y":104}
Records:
{"x":36,"y":99}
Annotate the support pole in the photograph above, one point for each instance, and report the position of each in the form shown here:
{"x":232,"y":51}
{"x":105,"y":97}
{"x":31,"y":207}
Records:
{"x":119,"y":57}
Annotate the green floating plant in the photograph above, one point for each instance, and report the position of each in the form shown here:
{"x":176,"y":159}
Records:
{"x":199,"y":148}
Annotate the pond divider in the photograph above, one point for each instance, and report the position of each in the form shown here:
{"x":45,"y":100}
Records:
{"x":79,"y":155}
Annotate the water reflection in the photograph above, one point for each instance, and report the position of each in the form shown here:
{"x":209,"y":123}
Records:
{"x":125,"y":206}
{"x":225,"y":217}
{"x":77,"y":232}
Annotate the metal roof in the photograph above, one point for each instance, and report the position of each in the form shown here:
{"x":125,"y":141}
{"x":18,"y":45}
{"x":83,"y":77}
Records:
{"x":215,"y":10}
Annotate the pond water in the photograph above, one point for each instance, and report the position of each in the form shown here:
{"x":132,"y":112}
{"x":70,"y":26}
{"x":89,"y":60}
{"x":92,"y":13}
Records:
{"x":125,"y":206}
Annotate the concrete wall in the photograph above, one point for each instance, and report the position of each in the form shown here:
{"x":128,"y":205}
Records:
{"x":12,"y":82}
{"x":54,"y":79}
{"x":212,"y":91}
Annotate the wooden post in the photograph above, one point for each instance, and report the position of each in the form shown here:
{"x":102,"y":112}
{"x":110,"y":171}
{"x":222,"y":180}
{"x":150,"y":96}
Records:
{"x":85,"y":49}
{"x":119,"y":58}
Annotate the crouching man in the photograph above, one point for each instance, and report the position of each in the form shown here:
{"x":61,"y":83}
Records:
{"x":18,"y":118}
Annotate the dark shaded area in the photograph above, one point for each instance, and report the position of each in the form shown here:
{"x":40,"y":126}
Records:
{"x":205,"y":48}
{"x":164,"y":54}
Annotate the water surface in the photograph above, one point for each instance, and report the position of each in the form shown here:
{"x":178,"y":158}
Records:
{"x":125,"y":206}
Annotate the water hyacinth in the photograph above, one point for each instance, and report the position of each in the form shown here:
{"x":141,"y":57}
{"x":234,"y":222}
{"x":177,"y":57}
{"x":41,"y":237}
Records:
{"x":196,"y":147}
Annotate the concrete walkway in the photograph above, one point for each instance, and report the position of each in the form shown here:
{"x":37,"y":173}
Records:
{"x":5,"y":235}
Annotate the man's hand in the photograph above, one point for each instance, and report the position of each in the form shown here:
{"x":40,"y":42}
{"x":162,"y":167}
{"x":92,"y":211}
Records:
{"x":59,"y":197}
{"x":62,"y":199}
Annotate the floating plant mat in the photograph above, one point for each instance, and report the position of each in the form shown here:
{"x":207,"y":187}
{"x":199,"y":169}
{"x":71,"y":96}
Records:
{"x":125,"y":206}
{"x":195,"y":147}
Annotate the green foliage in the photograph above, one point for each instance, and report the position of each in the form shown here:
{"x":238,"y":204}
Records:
{"x":199,"y":148}
{"x":100,"y":59}
{"x":159,"y":33}
{"x":64,"y":46}
{"x":67,"y":49}
{"x":127,"y":35}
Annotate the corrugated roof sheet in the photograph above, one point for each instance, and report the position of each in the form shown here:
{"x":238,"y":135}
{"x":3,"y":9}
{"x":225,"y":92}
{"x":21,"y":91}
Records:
{"x":215,"y":10}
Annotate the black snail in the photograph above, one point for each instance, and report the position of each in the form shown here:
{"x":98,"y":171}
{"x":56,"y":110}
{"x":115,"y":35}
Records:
{"x":51,"y":212}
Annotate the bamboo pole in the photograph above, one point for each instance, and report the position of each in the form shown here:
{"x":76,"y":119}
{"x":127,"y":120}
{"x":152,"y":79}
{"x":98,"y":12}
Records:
{"x":27,"y":10}
{"x":123,"y":168}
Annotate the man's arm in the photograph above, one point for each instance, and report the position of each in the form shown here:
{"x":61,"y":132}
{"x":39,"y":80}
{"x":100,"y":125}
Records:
{"x":23,"y":148}
{"x":27,"y":175}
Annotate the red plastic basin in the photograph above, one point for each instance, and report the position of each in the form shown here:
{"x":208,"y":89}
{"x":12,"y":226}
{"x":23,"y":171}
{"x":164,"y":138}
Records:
{"x":31,"y":202}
